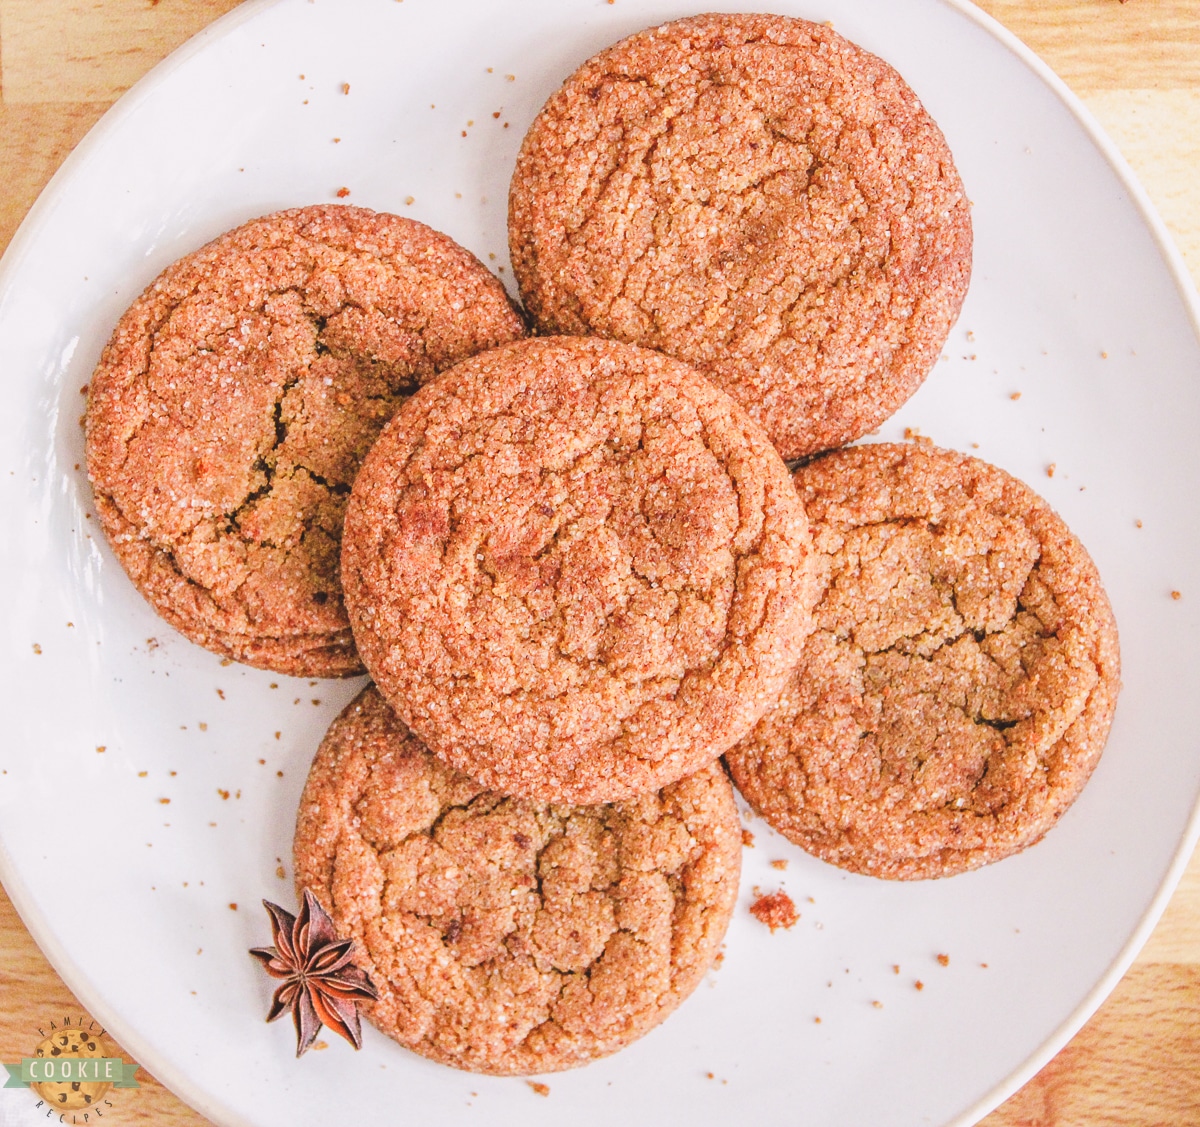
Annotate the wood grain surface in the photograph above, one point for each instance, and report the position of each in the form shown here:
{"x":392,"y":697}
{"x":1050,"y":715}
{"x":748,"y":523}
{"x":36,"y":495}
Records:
{"x":1136,"y":65}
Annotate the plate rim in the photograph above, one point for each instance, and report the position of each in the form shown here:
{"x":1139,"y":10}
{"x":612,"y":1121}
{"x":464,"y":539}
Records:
{"x":202,"y":1100}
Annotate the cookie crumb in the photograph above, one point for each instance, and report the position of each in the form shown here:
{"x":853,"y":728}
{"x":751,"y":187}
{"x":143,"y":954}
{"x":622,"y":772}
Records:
{"x":1051,"y":468}
{"x":877,"y":1004}
{"x":1177,"y":595}
{"x":895,"y":968}
{"x":36,"y":648}
{"x":342,"y":193}
{"x":539,"y":1088}
{"x":943,"y":960}
{"x":345,"y":87}
{"x":409,"y":200}
{"x":747,"y":839}
{"x":775,"y":909}
{"x":919,"y":985}
{"x":319,"y":1045}
{"x":101,"y":748}
{"x":233,"y":905}
{"x":1015,"y":395}
{"x":165,"y":801}
{"x":280,"y":872}
{"x":1137,"y":524}
{"x":913,"y":434}
{"x":780,"y":864}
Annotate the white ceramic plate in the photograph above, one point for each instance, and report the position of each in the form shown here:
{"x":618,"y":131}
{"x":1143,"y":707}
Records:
{"x":1077,"y":303}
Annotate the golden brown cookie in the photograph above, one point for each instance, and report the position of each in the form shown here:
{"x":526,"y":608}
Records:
{"x":959,"y":683}
{"x":231,"y":409}
{"x":507,"y":937}
{"x":759,"y":197}
{"x":576,"y":569}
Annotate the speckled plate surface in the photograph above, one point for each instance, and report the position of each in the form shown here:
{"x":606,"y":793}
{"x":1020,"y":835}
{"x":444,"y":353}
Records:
{"x":145,"y":789}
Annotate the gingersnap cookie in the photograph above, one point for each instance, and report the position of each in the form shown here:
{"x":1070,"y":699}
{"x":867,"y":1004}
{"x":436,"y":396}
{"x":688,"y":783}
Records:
{"x":576,"y":569}
{"x":505,"y":936}
{"x":230,"y":411}
{"x":759,"y":197}
{"x":958,"y":686}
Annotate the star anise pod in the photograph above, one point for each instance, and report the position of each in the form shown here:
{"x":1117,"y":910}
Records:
{"x":321,"y":985}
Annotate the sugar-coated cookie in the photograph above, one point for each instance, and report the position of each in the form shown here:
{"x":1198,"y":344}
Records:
{"x":759,"y":197}
{"x":230,"y":411}
{"x":504,"y":936}
{"x":958,"y":686}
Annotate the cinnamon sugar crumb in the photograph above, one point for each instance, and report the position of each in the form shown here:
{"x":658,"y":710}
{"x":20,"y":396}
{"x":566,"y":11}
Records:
{"x":943,"y":960}
{"x":1051,"y":468}
{"x":342,"y":193}
{"x":775,"y":909}
{"x":747,"y":839}
{"x":1015,"y":395}
{"x":1177,"y":595}
{"x":780,"y":864}
{"x":539,"y":1088}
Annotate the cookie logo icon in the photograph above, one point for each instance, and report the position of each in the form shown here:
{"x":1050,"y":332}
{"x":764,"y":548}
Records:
{"x":70,"y":1071}
{"x":70,"y":1043}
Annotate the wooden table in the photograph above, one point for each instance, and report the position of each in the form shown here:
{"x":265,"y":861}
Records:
{"x":1135,"y":64}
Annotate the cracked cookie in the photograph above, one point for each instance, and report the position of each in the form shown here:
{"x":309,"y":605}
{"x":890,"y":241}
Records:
{"x":503,"y":936}
{"x":576,"y":569}
{"x":959,"y":683}
{"x":758,"y":197}
{"x":230,"y":411}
